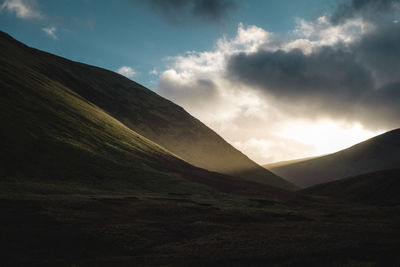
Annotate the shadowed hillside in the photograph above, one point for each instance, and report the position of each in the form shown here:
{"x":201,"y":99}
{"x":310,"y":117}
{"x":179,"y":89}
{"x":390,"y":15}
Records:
{"x":52,"y":135}
{"x":142,"y":111}
{"x":381,"y":188}
{"x":378,"y":153}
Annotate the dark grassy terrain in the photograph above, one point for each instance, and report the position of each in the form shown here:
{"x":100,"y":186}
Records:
{"x":139,"y":109}
{"x":126,"y":230}
{"x":378,"y":153}
{"x":79,"y":188}
{"x":378,"y":188}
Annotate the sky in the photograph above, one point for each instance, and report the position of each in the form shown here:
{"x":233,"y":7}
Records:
{"x":277,"y":79}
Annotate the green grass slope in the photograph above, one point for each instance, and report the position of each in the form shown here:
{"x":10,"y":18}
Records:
{"x":145,"y":112}
{"x":380,"y":188}
{"x":51,"y":136}
{"x":378,"y":153}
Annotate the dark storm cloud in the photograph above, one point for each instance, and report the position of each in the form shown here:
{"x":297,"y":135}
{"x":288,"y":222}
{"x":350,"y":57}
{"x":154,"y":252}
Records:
{"x":365,"y":8}
{"x":360,"y":81}
{"x":327,"y":82}
{"x":181,"y":12}
{"x":328,"y":72}
{"x":380,"y":52}
{"x":381,"y":107}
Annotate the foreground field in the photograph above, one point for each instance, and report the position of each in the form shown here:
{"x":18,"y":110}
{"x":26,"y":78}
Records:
{"x":100,"y":228}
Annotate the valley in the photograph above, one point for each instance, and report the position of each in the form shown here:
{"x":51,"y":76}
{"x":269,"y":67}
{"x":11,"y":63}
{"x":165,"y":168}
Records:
{"x":97,"y":170}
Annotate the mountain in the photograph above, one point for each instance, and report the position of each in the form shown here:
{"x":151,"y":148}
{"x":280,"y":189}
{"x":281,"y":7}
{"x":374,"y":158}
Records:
{"x":378,"y":153}
{"x":141,"y":110}
{"x":51,"y":134}
{"x":379,"y":188}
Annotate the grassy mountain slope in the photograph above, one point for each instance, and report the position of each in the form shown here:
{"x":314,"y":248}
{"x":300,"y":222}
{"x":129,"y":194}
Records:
{"x":381,"y":187}
{"x":378,"y":153}
{"x":146,"y":113}
{"x":50,"y":134}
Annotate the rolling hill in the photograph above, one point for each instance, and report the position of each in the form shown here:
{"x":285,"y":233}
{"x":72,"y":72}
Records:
{"x":52,"y":135}
{"x":137,"y":107}
{"x":378,"y":153}
{"x":379,"y":188}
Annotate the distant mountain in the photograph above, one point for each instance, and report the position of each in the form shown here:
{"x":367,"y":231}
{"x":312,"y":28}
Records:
{"x":378,"y":153}
{"x":141,"y":110}
{"x":380,"y":188}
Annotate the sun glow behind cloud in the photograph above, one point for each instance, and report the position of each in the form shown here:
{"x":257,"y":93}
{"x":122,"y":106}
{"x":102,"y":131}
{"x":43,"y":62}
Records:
{"x":257,"y":122}
{"x":303,"y":138}
{"x":327,"y":136}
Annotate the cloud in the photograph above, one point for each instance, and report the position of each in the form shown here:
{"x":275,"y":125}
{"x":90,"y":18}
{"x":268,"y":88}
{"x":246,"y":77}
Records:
{"x":329,"y":74}
{"x":368,"y":9}
{"x":178,"y":86}
{"x":51,"y":31}
{"x":381,"y":107}
{"x":126,"y":71}
{"x":154,"y":71}
{"x":23,"y":9}
{"x":333,"y":81}
{"x":325,"y":82}
{"x":182,"y":12}
{"x":326,"y":72}
{"x":260,"y":89}
{"x":314,"y":34}
{"x":379,"y":51}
